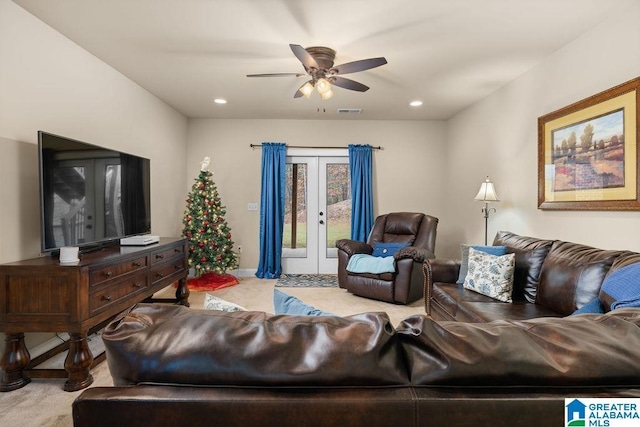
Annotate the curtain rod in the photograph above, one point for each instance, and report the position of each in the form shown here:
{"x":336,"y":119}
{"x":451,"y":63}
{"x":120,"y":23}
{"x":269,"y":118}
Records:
{"x":315,"y":148}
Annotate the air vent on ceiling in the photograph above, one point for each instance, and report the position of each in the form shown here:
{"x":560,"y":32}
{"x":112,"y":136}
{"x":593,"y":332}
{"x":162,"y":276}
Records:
{"x":349,"y":110}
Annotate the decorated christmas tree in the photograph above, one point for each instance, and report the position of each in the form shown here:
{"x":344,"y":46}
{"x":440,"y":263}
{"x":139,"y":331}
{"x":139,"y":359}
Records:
{"x":204,"y":226}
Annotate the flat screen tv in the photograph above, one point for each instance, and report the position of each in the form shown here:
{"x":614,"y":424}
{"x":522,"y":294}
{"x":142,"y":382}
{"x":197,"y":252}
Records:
{"x":90,"y":196}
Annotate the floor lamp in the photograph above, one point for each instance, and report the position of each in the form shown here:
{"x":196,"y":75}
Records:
{"x":487,"y":194}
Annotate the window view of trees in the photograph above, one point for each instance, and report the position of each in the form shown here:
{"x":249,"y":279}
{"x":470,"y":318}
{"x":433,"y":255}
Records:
{"x":338,"y":215}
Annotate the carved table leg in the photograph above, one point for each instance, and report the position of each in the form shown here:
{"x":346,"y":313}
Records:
{"x":78,"y":363}
{"x":182,"y":293}
{"x":14,"y":360}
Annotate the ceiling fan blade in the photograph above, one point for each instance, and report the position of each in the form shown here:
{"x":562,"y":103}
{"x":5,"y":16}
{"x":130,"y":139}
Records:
{"x":348,"y":84}
{"x":355,"y":66}
{"x":277,"y":75}
{"x":304,"y":56}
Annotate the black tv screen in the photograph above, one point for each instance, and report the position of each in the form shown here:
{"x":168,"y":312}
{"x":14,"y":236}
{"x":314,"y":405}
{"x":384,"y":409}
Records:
{"x":90,"y":195}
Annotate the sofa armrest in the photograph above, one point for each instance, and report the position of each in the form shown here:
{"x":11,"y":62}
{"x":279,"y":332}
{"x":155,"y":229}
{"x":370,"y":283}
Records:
{"x":417,"y":254}
{"x":438,"y":270}
{"x":352,"y":247}
{"x":443,"y":270}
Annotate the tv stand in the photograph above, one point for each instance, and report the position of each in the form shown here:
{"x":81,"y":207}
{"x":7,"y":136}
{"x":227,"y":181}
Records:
{"x":40,"y":295}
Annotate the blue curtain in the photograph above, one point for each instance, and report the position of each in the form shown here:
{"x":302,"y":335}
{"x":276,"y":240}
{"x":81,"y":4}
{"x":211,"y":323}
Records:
{"x":272,"y":209}
{"x":360,"y":166}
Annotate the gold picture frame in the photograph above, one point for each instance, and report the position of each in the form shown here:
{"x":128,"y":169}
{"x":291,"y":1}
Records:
{"x":588,"y":153}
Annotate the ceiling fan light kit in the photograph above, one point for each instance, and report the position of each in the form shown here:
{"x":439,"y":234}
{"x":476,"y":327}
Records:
{"x":318,"y":64}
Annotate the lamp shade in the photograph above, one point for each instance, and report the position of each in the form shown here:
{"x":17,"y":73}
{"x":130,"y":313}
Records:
{"x":307,"y":88}
{"x":323,"y":86}
{"x":487,"y":192}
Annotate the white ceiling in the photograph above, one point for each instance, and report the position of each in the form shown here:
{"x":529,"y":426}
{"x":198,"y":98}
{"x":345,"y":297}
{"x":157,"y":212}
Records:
{"x":446,"y":53}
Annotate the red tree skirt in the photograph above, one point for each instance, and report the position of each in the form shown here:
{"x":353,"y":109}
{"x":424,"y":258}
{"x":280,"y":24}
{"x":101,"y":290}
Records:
{"x":211,"y":282}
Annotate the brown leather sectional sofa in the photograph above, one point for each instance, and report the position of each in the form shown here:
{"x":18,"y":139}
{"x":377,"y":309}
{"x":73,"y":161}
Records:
{"x":177,"y":366}
{"x":552,"y":278}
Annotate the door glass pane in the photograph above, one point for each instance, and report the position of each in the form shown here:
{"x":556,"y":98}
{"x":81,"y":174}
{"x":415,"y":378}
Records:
{"x":113,"y":219}
{"x":294,"y":242}
{"x":69,"y":203}
{"x":338,"y":206}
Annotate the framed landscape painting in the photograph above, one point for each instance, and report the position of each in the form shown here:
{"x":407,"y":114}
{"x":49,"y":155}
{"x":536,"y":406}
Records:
{"x":588,"y":153}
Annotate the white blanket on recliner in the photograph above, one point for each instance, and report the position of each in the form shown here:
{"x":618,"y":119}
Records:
{"x":363,"y":263}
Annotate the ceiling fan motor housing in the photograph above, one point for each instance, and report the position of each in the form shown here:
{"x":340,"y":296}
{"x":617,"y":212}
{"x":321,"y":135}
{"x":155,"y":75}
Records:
{"x":324,"y":56}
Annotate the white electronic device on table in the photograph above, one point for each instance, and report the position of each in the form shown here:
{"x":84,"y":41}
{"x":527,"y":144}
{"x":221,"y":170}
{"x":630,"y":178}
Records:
{"x":143,"y":240}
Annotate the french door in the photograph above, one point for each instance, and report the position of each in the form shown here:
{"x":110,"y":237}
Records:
{"x":317,"y":213}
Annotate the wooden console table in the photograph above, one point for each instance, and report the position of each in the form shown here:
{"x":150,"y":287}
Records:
{"x":40,"y":295}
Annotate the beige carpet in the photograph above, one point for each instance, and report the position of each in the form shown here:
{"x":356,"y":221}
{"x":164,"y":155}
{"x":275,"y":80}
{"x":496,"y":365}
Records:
{"x":44,"y":403}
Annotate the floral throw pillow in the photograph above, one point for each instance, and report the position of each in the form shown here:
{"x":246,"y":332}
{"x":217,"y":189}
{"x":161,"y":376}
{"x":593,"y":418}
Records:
{"x":490,"y":275}
{"x":214,"y":303}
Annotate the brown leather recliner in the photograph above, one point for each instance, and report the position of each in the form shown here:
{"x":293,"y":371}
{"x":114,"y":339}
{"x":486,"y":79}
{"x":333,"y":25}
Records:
{"x":405,"y":285}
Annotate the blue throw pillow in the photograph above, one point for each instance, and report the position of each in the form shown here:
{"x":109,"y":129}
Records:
{"x":464,"y":265}
{"x":288,"y":304}
{"x":595,"y":306}
{"x":387,"y":249}
{"x":623,"y":286}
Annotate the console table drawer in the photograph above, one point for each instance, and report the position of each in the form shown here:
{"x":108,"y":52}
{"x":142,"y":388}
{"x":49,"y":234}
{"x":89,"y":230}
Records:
{"x":163,"y":271}
{"x":167,"y":254}
{"x":114,"y":271}
{"x":106,"y":295}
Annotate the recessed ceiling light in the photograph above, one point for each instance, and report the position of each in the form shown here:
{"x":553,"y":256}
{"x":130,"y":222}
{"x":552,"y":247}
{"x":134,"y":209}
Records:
{"x":415,"y":103}
{"x":220,"y":101}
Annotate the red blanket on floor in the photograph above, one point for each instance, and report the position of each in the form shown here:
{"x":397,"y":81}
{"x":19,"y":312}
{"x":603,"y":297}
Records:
{"x":211,"y":282}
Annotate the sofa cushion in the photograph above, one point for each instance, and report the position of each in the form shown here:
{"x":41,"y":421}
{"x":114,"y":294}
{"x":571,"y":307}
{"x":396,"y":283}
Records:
{"x":530,"y":254}
{"x":288,"y":304}
{"x":464,"y":257}
{"x":155,"y":343}
{"x":588,"y":350}
{"x":490,"y":275}
{"x":572,"y":275}
{"x":454,"y":302}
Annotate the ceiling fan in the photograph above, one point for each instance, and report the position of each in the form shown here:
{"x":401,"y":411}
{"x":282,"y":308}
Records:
{"x":318,"y":64}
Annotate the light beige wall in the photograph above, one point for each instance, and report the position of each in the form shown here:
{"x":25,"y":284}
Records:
{"x":498,"y":137}
{"x":49,"y":83}
{"x":408,"y":170}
